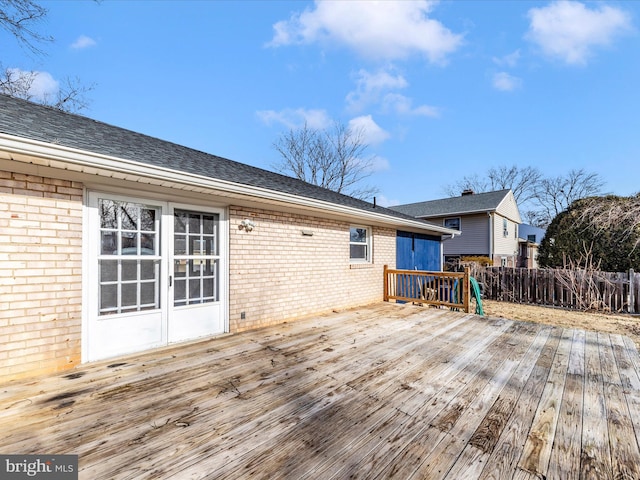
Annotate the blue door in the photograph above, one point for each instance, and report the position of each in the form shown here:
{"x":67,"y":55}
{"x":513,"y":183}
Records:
{"x":416,"y":251}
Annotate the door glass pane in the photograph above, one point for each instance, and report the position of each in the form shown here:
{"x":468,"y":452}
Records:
{"x":148,"y":244}
{"x":108,"y":243}
{"x":179,"y":245}
{"x":129,"y":270}
{"x":127,"y":283}
{"x":194,"y":289}
{"x":194,"y":223}
{"x":208,"y":224}
{"x":129,"y":213}
{"x":108,"y":297}
{"x":108,"y":214}
{"x":195,"y":258}
{"x":129,"y":294}
{"x":180,"y":222}
{"x":196,"y":245}
{"x":208,"y":288}
{"x":180,"y":268}
{"x":148,"y":269}
{"x":180,"y":291}
{"x":147,"y":293}
{"x":148,"y":219}
{"x":210,"y":245}
{"x":129,"y":243}
{"x":108,"y":270}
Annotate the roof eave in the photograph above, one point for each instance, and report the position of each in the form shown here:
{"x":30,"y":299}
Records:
{"x":60,"y":157}
{"x":450,"y":214}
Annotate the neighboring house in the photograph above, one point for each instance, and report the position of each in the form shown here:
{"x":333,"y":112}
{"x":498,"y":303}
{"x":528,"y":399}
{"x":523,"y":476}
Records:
{"x":529,"y":242}
{"x":113,"y":242}
{"x":488,"y":223}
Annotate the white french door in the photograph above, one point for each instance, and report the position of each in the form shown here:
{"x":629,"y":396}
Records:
{"x":195,"y":274}
{"x":155,"y":274}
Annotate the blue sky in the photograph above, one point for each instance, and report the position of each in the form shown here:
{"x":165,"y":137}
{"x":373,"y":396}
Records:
{"x":442,"y":89}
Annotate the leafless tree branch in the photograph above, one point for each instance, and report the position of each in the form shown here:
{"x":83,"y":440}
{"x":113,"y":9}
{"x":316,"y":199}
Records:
{"x":333,"y":158}
{"x":20,"y":18}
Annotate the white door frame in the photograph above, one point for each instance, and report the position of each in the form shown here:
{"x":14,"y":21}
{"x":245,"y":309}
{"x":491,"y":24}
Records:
{"x":90,"y":249}
{"x":221,"y":304}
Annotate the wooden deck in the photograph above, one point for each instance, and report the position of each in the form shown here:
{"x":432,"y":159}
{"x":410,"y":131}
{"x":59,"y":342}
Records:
{"x":388,"y":391}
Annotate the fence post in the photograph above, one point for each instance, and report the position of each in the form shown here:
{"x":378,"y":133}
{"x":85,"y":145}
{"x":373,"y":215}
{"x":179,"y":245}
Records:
{"x":385,"y":294}
{"x":632,"y":293}
{"x":466,"y":291}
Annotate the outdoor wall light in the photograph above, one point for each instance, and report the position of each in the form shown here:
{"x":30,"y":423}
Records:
{"x":307,"y":233}
{"x":247,"y":225}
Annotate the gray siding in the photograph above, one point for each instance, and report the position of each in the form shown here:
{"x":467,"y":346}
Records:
{"x":474,"y":238}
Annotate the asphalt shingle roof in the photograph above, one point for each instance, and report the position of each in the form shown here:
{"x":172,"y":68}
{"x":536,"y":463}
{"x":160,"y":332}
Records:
{"x":477,"y":202}
{"x":25,"y":119}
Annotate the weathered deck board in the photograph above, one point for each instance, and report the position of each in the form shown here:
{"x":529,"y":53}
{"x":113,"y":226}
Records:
{"x":387,"y":391}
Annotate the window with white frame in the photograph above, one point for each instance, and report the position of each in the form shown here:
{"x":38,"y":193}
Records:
{"x":359,"y":244}
{"x":505,"y":227}
{"x":452,"y":223}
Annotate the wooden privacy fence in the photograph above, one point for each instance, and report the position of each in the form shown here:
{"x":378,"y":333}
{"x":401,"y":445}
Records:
{"x":448,"y":289}
{"x":575,"y":289}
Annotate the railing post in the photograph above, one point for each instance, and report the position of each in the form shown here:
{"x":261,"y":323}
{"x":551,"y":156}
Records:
{"x":466,"y":290}
{"x":632,"y":293}
{"x":385,"y":295}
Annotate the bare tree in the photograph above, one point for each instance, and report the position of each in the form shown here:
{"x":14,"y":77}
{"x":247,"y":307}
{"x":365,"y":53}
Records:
{"x":333,"y":158}
{"x":555,"y":194}
{"x":521,"y":180}
{"x":70,"y":95}
{"x":539,"y":198}
{"x":17,"y":83}
{"x":20,"y":18}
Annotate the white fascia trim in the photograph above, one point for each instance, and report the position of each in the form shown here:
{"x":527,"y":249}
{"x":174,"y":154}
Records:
{"x":456,"y":214}
{"x":92,"y":163}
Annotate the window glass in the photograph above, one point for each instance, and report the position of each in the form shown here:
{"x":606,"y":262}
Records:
{"x":359,"y":244}
{"x":453,"y":223}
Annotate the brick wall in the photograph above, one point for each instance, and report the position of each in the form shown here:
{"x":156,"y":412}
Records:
{"x":40,"y":274}
{"x":278,"y":274}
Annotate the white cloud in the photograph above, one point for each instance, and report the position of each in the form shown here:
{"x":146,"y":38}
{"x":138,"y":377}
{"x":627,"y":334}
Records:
{"x":369,"y":87}
{"x":569,"y":31}
{"x":383,"y":201}
{"x":404,"y":106}
{"x":510,"y":60}
{"x":83,"y":42}
{"x":296,"y":118}
{"x":506,"y":82}
{"x":379,"y":164}
{"x":374,"y":29}
{"x":372,"y":133}
{"x":42,"y":86}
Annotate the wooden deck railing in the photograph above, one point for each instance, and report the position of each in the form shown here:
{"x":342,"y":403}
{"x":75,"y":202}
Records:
{"x":448,"y":289}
